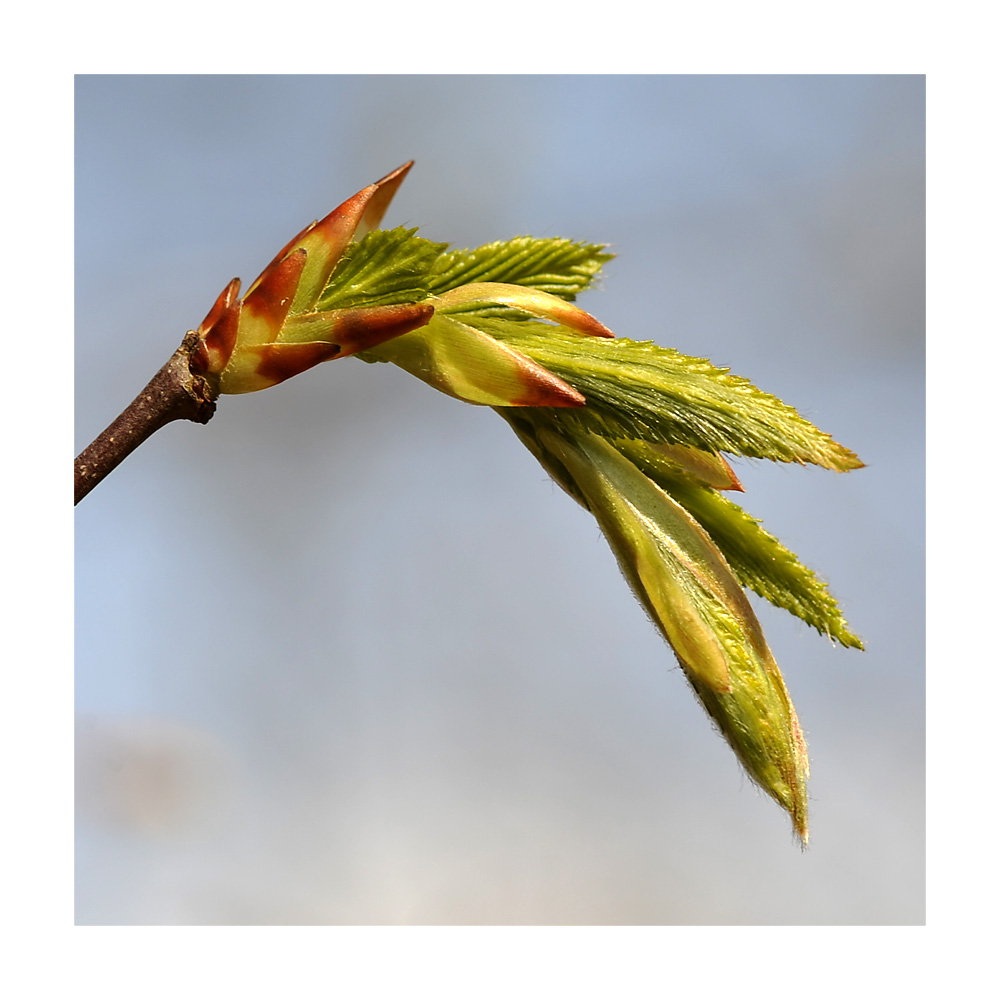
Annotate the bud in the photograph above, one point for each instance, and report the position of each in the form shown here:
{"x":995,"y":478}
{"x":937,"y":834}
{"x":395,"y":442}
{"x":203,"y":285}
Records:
{"x":691,"y":594}
{"x":273,"y":332}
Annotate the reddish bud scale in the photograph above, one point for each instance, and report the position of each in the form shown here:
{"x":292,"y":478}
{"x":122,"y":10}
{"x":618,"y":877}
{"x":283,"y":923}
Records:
{"x":278,"y":362}
{"x":226,"y":298}
{"x":281,"y":254}
{"x":213,"y":350}
{"x":359,"y":329}
{"x":325,"y":243}
{"x":348,"y":331}
{"x":271,"y":297}
{"x":385,"y":190}
{"x":221,"y":339}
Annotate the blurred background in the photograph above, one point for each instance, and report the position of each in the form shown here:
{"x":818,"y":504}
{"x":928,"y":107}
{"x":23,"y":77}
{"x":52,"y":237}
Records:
{"x":346,"y":656}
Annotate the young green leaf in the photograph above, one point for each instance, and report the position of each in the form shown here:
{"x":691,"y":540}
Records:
{"x":758,"y":559}
{"x":652,"y":393}
{"x":689,"y":591}
{"x":558,"y":266}
{"x":387,"y":267}
{"x":463,"y":362}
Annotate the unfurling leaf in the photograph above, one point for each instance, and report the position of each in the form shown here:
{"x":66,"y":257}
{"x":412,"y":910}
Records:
{"x":558,"y":266}
{"x":758,"y":559}
{"x":690,"y":593}
{"x":463,"y":362}
{"x":653,"y":393}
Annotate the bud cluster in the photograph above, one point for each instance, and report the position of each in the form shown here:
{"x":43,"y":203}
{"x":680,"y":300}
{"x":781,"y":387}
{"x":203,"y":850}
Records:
{"x":275,"y":330}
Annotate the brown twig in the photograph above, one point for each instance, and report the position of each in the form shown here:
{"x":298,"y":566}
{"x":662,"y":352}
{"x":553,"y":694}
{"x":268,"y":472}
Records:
{"x":173,"y":393}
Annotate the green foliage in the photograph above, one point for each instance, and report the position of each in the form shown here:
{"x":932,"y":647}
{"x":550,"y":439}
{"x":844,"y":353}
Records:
{"x":641,"y":390}
{"x":758,"y":559}
{"x":690,"y":593}
{"x":595,"y":411}
{"x":557,"y":266}
{"x":390,"y":266}
{"x":387,"y":267}
{"x":637,"y":393}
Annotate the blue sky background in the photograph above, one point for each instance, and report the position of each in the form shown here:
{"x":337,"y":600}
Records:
{"x":345,"y":655}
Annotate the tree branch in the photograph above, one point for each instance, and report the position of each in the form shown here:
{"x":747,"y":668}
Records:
{"x":173,"y":393}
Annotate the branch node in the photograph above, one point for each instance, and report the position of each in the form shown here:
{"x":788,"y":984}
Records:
{"x":175,"y":392}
